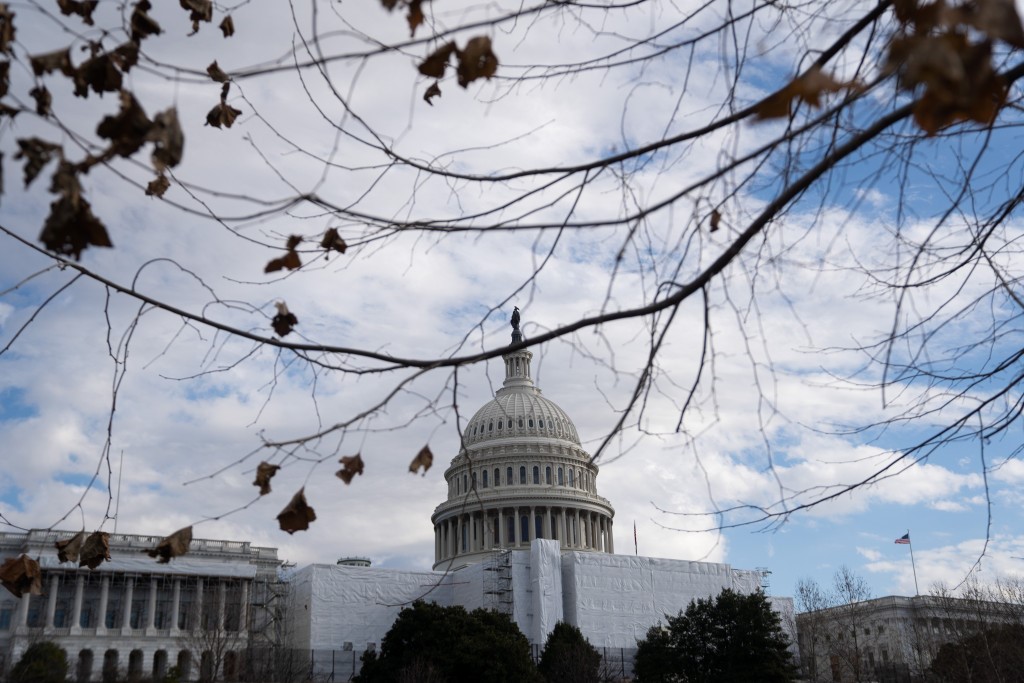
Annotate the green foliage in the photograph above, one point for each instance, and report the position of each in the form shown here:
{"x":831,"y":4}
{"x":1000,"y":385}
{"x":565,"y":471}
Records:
{"x":428,"y":642}
{"x":568,"y":657}
{"x":733,"y":637}
{"x":985,"y":657}
{"x":44,"y":662}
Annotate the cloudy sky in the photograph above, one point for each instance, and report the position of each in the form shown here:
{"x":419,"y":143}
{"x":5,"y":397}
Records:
{"x":123,"y":415}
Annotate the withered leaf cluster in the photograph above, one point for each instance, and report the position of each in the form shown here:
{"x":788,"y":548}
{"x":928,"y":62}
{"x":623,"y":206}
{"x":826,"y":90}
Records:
{"x":944,"y":52}
{"x":424,"y":459}
{"x":476,"y":60}
{"x":284,"y":321}
{"x":351,"y":465}
{"x":71,"y":225}
{"x":21,"y":575}
{"x":297,"y":515}
{"x":88,"y":551}
{"x":414,"y":12}
{"x":227,"y":26}
{"x":222,"y":114}
{"x":172,"y":546}
{"x":264,"y":473}
{"x":332,"y":241}
{"x":142,"y":24}
{"x":199,"y":10}
{"x":83,"y":8}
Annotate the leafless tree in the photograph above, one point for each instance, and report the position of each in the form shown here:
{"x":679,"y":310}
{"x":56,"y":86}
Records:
{"x":771,"y":111}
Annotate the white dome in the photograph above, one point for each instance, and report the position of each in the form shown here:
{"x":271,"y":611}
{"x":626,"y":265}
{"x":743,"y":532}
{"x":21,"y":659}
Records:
{"x":518,"y":412}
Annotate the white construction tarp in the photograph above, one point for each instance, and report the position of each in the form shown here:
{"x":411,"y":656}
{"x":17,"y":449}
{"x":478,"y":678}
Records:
{"x":546,"y":588}
{"x":139,"y":563}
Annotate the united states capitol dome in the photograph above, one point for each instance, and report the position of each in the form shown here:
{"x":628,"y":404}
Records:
{"x":522,"y":474}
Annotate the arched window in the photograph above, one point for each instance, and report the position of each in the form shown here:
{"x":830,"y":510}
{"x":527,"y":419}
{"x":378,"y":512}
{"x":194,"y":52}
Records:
{"x":206,"y":672}
{"x":570,"y":478}
{"x":474,"y":480}
{"x":511,"y":531}
{"x":531,"y":423}
{"x":536,"y":474}
{"x":547,"y":475}
{"x":520,"y":423}
{"x":579,"y":478}
{"x":540,"y":423}
{"x":508,"y":477}
{"x":501,"y":423}
{"x":497,"y":477}
{"x":110,"y":665}
{"x":538,"y":526}
{"x":561,"y":477}
{"x":485,"y":479}
{"x":474,"y":430}
{"x":159,"y":665}
{"x":524,"y":529}
{"x":465,"y":484}
{"x":522,"y":475}
{"x":510,"y":423}
{"x":185,"y":665}
{"x":84,"y":671}
{"x":490,"y":426}
{"x":231,"y":666}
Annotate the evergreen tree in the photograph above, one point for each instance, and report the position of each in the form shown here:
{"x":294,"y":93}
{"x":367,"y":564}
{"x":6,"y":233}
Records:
{"x":732,"y":637}
{"x":44,"y":662}
{"x":568,"y":657}
{"x":428,"y":642}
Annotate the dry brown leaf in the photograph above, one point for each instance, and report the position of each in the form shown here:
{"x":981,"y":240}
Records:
{"x":476,"y":60}
{"x":52,"y":61}
{"x":716,"y":219}
{"x":71,"y":225}
{"x":424,"y":459}
{"x":433,"y":91}
{"x":83,"y":8}
{"x":128,"y":129}
{"x":125,"y":56}
{"x":415,"y":16}
{"x":351,"y":465}
{"x":223,"y":114}
{"x":216,"y":73}
{"x":199,"y":10}
{"x":21,"y":575}
{"x":332,"y":241}
{"x":142,"y":24}
{"x":100,"y":74}
{"x":157,"y":186}
{"x":264,"y":473}
{"x":435,"y":63}
{"x":807,"y":88}
{"x":999,"y":20}
{"x":227,"y":26}
{"x":6,"y":28}
{"x":43,"y":99}
{"x":297,"y":515}
{"x":284,"y":321}
{"x":172,"y":546}
{"x":167,"y":138}
{"x":36,"y":153}
{"x":5,"y":77}
{"x":69,"y":549}
{"x":95,"y":550}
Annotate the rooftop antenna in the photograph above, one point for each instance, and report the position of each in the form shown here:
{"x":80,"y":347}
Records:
{"x":117,"y":503}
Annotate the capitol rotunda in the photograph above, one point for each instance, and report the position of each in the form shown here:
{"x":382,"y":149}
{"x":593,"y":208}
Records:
{"x":522,"y":475}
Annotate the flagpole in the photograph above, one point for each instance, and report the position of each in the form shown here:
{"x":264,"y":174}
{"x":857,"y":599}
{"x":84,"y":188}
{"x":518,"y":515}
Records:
{"x":913,"y":565}
{"x":636,"y":550}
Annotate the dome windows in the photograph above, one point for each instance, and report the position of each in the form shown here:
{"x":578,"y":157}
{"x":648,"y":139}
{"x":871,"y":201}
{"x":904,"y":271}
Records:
{"x":536,"y":474}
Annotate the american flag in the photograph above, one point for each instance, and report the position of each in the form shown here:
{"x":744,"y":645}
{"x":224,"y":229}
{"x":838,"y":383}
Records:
{"x":904,"y":539}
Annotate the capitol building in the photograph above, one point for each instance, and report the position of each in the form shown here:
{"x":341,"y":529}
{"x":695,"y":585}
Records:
{"x":523,"y":530}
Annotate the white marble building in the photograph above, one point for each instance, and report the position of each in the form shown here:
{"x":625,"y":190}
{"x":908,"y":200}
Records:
{"x":133,"y":617}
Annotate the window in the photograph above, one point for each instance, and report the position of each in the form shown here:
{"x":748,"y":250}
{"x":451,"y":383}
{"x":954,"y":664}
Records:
{"x":540,"y":423}
{"x":579,"y":478}
{"x":522,"y":475}
{"x":474,"y":430}
{"x":520,"y":423}
{"x":531,"y":423}
{"x":497,"y":477}
{"x":490,"y":426}
{"x":511,"y":531}
{"x":501,"y":423}
{"x":508,"y":477}
{"x":524,"y":529}
{"x":474,"y":480}
{"x":538,"y":525}
{"x":536,"y":474}
{"x":465,"y":483}
{"x":510,"y":423}
{"x":570,"y":478}
{"x":485,"y":479}
{"x":547,"y":475}
{"x":465,"y":537}
{"x":6,"y":613}
{"x":84,"y":672}
{"x":561,"y":477}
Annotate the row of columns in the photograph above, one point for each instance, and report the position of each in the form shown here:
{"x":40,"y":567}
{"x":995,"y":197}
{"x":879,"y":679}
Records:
{"x":128,"y":597}
{"x":575,"y":528}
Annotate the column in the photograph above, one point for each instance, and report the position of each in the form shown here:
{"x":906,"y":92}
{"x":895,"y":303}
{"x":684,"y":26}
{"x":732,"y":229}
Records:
{"x":577,"y":528}
{"x":243,"y":608}
{"x":175,"y":604}
{"x":129,"y":594}
{"x":222,"y":597}
{"x":531,"y":527}
{"x":501,"y":527}
{"x":151,"y":606}
{"x":101,"y":625}
{"x":547,"y":524}
{"x":51,"y":600}
{"x":76,"y":608}
{"x":198,"y":623}
{"x":23,"y":611}
{"x":611,"y":537}
{"x":565,"y":527}
{"x":592,"y":518}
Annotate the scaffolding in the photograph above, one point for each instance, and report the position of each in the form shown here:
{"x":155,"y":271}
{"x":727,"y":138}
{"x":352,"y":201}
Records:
{"x":497,"y":582}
